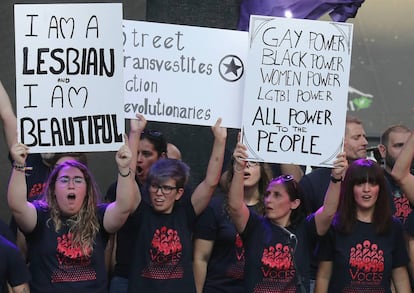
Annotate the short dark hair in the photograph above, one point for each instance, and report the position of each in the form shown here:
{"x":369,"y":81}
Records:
{"x":164,"y":169}
{"x":157,"y":139}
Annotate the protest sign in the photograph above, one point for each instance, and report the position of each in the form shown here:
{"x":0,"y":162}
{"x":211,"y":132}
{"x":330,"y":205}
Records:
{"x":183,"y":74}
{"x":296,"y":89}
{"x":69,"y":77}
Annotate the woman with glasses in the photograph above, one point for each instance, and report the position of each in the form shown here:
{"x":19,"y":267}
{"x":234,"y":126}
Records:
{"x":67,"y":230}
{"x":162,"y":255}
{"x":365,"y":247}
{"x":278,"y":245}
{"x":218,"y":249}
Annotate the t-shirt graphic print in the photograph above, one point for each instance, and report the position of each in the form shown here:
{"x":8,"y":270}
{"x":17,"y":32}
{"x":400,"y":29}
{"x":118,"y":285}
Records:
{"x":74,"y":265}
{"x":277,"y":265}
{"x":165,"y":252}
{"x":366,"y":265}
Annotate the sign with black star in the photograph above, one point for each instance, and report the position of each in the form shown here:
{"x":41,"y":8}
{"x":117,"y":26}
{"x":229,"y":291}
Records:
{"x":231,"y":68}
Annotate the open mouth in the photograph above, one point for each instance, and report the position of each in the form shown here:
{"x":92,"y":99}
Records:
{"x":71,"y":196}
{"x":139,"y":170}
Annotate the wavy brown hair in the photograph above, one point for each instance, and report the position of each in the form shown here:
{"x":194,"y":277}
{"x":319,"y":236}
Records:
{"x":359,"y":172}
{"x":84,"y":225}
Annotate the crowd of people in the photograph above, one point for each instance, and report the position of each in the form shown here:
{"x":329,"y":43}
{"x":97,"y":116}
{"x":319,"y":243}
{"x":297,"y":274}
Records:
{"x":246,"y":227}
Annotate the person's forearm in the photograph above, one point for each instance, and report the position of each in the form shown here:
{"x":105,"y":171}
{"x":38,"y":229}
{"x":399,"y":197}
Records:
{"x":16,"y":194}
{"x":403,"y":163}
{"x":8,"y":117}
{"x":325,"y":215}
{"x":321,"y":286}
{"x":17,"y":200}
{"x":215,"y":163}
{"x":236,"y":191}
{"x":200,"y":272}
{"x":125,"y":190}
{"x":204,"y":191}
{"x":238,"y":210}
{"x":401,"y":170}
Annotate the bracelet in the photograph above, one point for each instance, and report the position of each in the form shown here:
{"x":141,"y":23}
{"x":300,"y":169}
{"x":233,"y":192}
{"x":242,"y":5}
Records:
{"x":336,"y":180}
{"x":125,"y":175}
{"x":21,"y":168}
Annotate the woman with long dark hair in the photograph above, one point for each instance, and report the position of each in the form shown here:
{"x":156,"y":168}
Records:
{"x":365,"y":248}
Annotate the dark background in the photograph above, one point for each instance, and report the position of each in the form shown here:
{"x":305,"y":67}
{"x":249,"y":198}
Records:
{"x":381,"y":69}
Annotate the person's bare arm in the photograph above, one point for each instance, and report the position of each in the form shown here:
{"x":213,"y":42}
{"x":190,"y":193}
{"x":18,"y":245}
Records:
{"x":23,"y":211}
{"x":135,"y":130}
{"x":324,"y":215}
{"x":401,"y":169}
{"x":203,"y":192}
{"x":401,"y":280}
{"x":238,"y":210}
{"x":8,"y":117}
{"x":410,"y":250}
{"x":118,"y":211}
{"x":323,"y":276}
{"x":202,"y":253}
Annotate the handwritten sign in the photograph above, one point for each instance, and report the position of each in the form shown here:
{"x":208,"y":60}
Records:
{"x":296,"y":90}
{"x":184,"y":74}
{"x":69,"y":77}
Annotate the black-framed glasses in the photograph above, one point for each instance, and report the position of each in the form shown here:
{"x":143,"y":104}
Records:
{"x":165,"y":189}
{"x":65,"y":180}
{"x":284,"y":178}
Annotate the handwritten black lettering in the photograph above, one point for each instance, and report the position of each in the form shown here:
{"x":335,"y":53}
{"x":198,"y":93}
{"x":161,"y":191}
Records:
{"x":95,"y":129}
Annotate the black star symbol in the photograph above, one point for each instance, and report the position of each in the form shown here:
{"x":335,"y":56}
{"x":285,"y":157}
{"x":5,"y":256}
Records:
{"x":235,"y":66}
{"x":232,"y":67}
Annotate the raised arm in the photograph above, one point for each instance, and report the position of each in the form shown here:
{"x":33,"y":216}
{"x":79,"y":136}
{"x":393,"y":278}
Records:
{"x":325,"y":214}
{"x":135,"y":130}
{"x":401,"y":169}
{"x":23,"y":211}
{"x":238,"y":210}
{"x":202,"y":194}
{"x":8,"y":118}
{"x":118,"y":211}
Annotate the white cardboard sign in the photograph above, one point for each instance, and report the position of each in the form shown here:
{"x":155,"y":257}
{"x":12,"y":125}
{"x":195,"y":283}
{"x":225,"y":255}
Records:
{"x":69,"y":77}
{"x":296,"y":90}
{"x":184,"y":74}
